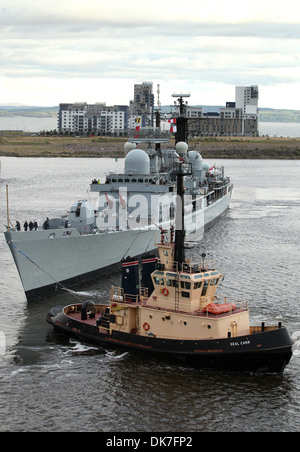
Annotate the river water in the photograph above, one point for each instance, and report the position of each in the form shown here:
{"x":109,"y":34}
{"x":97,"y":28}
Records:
{"x":51,"y":383}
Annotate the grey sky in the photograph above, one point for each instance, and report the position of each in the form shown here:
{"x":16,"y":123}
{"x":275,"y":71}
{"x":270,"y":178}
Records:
{"x":59,"y":51}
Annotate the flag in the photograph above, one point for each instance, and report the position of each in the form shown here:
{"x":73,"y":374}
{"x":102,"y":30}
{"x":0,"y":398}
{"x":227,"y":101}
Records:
{"x":178,"y":156}
{"x":123,"y":202}
{"x":212,"y":169}
{"x":137,"y":126}
{"x":109,"y":201}
{"x":173,"y":129}
{"x":172,"y":121}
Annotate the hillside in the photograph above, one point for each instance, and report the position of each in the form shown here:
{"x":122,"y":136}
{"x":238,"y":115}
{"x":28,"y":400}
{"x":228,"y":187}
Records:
{"x":273,"y":115}
{"x":35,"y":112}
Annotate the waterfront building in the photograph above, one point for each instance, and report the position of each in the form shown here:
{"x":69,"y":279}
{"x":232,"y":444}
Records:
{"x":246,"y":98}
{"x":142,"y":105}
{"x":238,"y":118}
{"x":81,"y":118}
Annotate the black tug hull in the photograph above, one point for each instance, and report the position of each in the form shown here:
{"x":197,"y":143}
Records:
{"x":263,"y":351}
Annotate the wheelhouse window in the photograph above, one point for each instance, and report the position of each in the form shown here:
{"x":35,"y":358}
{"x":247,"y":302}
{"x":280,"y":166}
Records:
{"x":159,"y":281}
{"x":185,"y":285}
{"x":205,"y":286}
{"x":214,"y":281}
{"x":197,"y":285}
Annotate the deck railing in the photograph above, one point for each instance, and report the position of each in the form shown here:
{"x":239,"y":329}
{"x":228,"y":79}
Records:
{"x":190,"y":267}
{"x":117,"y":296}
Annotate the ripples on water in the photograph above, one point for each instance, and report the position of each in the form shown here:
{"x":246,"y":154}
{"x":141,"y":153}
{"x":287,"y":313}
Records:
{"x":51,"y":383}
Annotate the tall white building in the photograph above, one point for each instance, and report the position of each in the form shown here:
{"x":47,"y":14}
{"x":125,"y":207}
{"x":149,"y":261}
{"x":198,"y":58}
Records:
{"x":143,"y":103}
{"x":246,"y":98}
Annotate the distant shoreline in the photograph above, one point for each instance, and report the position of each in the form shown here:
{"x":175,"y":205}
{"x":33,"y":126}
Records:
{"x":265,"y":114}
{"x":218,"y":148}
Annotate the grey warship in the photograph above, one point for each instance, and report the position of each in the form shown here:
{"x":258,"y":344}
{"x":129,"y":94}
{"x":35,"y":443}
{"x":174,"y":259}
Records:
{"x":132,"y":206}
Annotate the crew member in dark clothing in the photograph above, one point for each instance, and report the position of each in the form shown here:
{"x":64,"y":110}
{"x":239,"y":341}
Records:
{"x":35,"y":225}
{"x":47,"y":224}
{"x":30,"y":225}
{"x":25,"y":225}
{"x":18,"y":226}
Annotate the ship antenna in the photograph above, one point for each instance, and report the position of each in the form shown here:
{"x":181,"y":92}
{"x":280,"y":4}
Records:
{"x":181,"y":122}
{"x":158,"y":99}
{"x":7,"y":208}
{"x":203,"y":255}
{"x":183,"y":170}
{"x":157,"y":121}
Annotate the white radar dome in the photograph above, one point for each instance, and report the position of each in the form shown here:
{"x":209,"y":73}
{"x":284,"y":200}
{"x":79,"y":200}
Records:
{"x":129,"y":146}
{"x":196,"y":160}
{"x":181,"y":147}
{"x":137,"y":161}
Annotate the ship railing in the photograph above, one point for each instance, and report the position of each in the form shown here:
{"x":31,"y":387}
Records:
{"x":203,"y":266}
{"x":188,"y":266}
{"x":239,"y":306}
{"x":117,"y":295}
{"x":147,"y":134}
{"x":239,"y":303}
{"x":184,"y":306}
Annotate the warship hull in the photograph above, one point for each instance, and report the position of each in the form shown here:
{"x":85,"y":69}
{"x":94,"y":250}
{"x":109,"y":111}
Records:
{"x":262,"y":350}
{"x":48,"y":260}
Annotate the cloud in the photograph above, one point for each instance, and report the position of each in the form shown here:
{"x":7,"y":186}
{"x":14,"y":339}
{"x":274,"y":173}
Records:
{"x":43,"y":11}
{"x":194,"y":41}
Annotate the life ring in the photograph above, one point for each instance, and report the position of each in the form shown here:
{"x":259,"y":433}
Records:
{"x":165,"y":292}
{"x":146,"y":326}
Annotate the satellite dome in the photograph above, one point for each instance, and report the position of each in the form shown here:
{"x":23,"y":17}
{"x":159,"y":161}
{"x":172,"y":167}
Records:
{"x":137,"y":161}
{"x":196,"y":160}
{"x":128,"y":146}
{"x":181,"y":147}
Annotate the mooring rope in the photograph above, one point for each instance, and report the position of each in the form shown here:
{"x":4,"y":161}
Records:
{"x":44,"y":271}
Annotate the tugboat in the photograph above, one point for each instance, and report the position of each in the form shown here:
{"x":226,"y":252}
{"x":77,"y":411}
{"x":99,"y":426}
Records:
{"x":173,"y":312}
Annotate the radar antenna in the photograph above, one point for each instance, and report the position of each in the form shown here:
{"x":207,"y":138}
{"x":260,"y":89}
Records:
{"x":182,"y":126}
{"x":180,"y":102}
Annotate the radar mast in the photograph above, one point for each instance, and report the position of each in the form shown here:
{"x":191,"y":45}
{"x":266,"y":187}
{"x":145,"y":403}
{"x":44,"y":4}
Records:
{"x":182,"y":125}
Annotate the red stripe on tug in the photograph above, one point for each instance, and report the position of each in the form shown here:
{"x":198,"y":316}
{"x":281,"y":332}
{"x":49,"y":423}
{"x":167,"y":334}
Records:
{"x":147,"y":261}
{"x":129,"y":264}
{"x":219,"y":308}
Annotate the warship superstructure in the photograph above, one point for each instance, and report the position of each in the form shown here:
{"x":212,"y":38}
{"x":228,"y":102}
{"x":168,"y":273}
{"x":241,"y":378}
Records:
{"x":132,"y":206}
